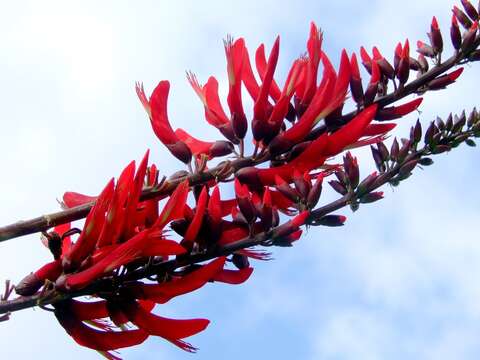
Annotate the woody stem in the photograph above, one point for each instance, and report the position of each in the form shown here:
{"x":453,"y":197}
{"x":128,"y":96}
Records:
{"x":45,"y":222}
{"x":25,"y":302}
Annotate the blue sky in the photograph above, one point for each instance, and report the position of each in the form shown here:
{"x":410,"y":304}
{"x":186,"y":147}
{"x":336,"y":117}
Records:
{"x":398,"y":281}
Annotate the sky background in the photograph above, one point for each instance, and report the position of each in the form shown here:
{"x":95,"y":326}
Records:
{"x":399,"y":281}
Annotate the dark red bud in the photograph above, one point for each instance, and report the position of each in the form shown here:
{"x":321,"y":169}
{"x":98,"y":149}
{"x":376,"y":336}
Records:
{"x":371,"y":197}
{"x":428,"y":138}
{"x":407,"y":168}
{"x":404,"y":150}
{"x":371,"y":92}
{"x":221,"y":148}
{"x":29,"y":285}
{"x":422,"y":61}
{"x":472,"y":118}
{"x":383,"y":151}
{"x":470,"y":9}
{"x":248,"y":175}
{"x":455,"y":34}
{"x":415,"y":65}
{"x":338,"y":187}
{"x":366,"y":183}
{"x":394,"y":149}
{"x":386,"y":68}
{"x":425,"y":161}
{"x":239,"y":125}
{"x":462,"y":17}
{"x":459,"y":122}
{"x":439,"y":149}
{"x":301,"y":185}
{"x":297,"y":150}
{"x":377,"y":157}
{"x":329,"y":220}
{"x":315,"y":193}
{"x":443,"y":81}
{"x":469,"y":38}
{"x":180,"y":226}
{"x":240,"y":261}
{"x":351,"y":168}
{"x":181,"y":151}
{"x":425,"y":49}
{"x":279,"y":145}
{"x":436,"y":37}
{"x":227,"y":131}
{"x":403,"y":70}
{"x":283,"y":187}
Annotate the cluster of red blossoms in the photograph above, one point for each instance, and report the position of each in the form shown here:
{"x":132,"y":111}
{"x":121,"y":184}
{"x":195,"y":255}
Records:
{"x":297,"y":127}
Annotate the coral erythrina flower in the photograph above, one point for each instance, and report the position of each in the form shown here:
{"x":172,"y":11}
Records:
{"x":126,"y":259}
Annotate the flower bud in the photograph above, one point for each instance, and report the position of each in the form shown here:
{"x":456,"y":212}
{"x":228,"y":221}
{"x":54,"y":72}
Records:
{"x":240,"y":261}
{"x":470,"y":9}
{"x":221,"y":148}
{"x":239,"y":125}
{"x":328,"y":220}
{"x":181,"y":151}
{"x":338,"y":187}
{"x":436,"y":36}
{"x":455,"y":34}
{"x":407,"y":168}
{"x":462,"y":17}
{"x":248,"y":175}
{"x":315,"y":193}
{"x":371,"y":197}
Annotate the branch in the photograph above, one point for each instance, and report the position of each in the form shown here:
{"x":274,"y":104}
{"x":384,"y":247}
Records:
{"x":267,"y":238}
{"x":45,"y":222}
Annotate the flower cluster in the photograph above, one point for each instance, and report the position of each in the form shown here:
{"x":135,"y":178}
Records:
{"x":126,"y":259}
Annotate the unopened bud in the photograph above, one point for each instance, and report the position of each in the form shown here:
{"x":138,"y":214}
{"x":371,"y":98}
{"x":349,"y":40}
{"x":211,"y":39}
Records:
{"x":329,"y":220}
{"x":315,"y":193}
{"x":29,"y":285}
{"x":240,"y":261}
{"x":371,"y":197}
{"x":425,"y":161}
{"x":462,"y":17}
{"x":407,"y":168}
{"x":181,"y":151}
{"x":338,"y":187}
{"x":239,"y":125}
{"x":470,"y":9}
{"x":221,"y":148}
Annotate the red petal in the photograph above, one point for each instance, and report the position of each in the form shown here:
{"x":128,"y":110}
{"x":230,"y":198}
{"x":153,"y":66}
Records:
{"x":143,"y":98}
{"x":349,"y":133}
{"x":260,"y":108}
{"x":197,"y":220}
{"x":161,"y":293}
{"x":163,"y":248}
{"x":233,"y":277}
{"x":159,"y":119}
{"x":215,"y":207}
{"x":83,"y":310}
{"x":92,"y":228}
{"x":196,"y":146}
{"x":161,"y":326}
{"x":121,"y":255}
{"x":262,"y":67}
{"x":248,"y":77}
{"x":115,"y":218}
{"x":95,"y":339}
{"x":378,"y":129}
{"x":174,"y":207}
{"x":217,"y":116}
{"x":134,"y":197}
{"x":72,"y":199}
{"x":235,"y":54}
